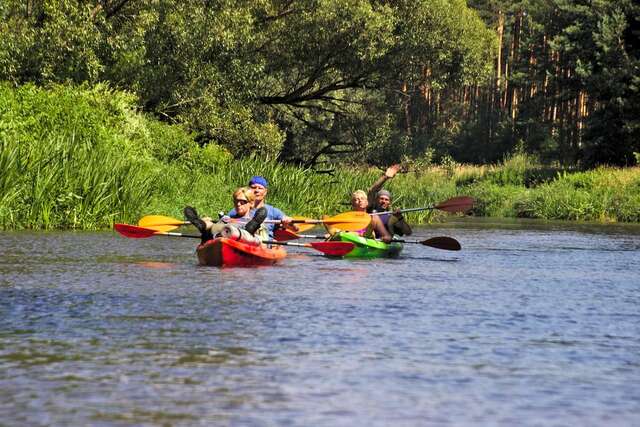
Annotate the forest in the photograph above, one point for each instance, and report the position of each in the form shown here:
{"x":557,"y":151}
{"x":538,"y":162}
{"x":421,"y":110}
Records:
{"x":112,"y":109}
{"x":317,"y":83}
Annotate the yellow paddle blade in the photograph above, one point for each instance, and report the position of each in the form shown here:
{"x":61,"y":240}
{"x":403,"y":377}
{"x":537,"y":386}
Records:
{"x":330,"y":228}
{"x":301,"y":227}
{"x":348,"y":221}
{"x":161,"y":228}
{"x":160,"y":220}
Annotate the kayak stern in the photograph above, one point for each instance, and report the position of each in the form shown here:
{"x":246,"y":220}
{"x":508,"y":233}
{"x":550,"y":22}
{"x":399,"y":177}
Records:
{"x":223,"y":252}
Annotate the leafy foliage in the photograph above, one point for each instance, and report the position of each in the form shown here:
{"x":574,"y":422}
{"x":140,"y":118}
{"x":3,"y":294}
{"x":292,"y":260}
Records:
{"x":323,"y":82}
{"x":305,"y":81}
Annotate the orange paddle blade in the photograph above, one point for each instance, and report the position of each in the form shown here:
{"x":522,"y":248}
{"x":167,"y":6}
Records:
{"x":300,"y":225}
{"x":348,"y":221}
{"x":160,"y":221}
{"x":161,"y":228}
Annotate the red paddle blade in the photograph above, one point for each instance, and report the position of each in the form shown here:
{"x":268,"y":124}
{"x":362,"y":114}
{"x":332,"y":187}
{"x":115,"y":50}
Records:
{"x":456,"y":204}
{"x":133,"y":232}
{"x":283,"y":235}
{"x":333,"y":248}
{"x":443,"y":242}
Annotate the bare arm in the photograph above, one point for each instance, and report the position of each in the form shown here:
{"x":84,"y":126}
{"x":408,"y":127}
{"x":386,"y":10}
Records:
{"x":397,"y":224}
{"x":380,"y":229}
{"x":388,"y":174}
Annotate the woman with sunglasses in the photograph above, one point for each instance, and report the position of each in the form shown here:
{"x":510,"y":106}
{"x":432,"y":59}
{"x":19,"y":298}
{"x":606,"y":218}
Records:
{"x":242,"y":216}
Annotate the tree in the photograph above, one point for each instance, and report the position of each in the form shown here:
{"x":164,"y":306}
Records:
{"x":307,"y":80}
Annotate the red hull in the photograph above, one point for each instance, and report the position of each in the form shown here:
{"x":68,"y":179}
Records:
{"x":222,"y":252}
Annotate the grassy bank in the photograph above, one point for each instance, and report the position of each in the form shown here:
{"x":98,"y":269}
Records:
{"x":85,"y":158}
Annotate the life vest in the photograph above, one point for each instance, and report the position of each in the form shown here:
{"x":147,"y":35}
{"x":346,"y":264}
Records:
{"x":384,"y":217}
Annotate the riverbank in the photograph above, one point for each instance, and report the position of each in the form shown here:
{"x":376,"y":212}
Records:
{"x":84,"y":158}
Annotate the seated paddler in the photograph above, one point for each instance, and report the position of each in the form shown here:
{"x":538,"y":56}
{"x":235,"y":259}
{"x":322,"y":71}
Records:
{"x":260,"y":187}
{"x":242,"y":223}
{"x":375,"y":229}
{"x":379,"y":200}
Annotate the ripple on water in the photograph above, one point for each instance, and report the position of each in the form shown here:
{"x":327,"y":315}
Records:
{"x":524,"y":326}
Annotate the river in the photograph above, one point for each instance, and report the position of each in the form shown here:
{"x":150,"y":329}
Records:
{"x":530,"y":324}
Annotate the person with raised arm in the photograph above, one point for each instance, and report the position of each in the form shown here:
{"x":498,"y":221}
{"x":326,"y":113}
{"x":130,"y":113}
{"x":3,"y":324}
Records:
{"x":379,"y":200}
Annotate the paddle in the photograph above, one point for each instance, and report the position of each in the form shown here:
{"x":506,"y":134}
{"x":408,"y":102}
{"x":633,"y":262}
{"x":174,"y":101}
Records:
{"x":441,"y":242}
{"x":328,"y":248}
{"x":149,"y":221}
{"x":347,"y":221}
{"x":453,"y":205}
{"x":283,"y":235}
{"x":166,"y":223}
{"x":446,"y":243}
{"x":135,"y":232}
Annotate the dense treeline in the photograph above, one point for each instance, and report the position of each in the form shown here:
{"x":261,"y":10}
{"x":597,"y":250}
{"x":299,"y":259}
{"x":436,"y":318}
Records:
{"x":315,"y":81}
{"x":302,"y":80}
{"x":566,"y":82}
{"x":86,"y":158}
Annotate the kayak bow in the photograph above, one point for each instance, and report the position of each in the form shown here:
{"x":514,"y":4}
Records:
{"x":368,"y":248}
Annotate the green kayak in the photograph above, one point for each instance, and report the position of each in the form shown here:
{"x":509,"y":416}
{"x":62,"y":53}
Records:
{"x":368,"y":248}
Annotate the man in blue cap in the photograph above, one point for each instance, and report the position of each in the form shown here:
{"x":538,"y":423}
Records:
{"x":260,"y":186}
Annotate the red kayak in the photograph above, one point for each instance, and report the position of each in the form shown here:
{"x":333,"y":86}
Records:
{"x":223,"y":252}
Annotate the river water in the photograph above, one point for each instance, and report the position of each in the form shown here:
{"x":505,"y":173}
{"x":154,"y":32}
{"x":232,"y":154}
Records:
{"x":530,"y":324}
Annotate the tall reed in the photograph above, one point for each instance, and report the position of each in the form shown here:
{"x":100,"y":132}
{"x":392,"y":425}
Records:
{"x":63,"y":163}
{"x":77,"y":157}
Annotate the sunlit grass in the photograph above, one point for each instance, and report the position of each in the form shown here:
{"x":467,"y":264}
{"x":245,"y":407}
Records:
{"x":85,"y":158}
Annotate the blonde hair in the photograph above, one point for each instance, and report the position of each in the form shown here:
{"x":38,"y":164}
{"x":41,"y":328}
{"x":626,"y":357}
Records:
{"x":358,"y":193}
{"x":246,"y":192}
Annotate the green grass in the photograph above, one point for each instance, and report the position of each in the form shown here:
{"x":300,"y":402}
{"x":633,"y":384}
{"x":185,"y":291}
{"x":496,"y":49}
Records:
{"x":64,"y":163}
{"x":78,"y":157}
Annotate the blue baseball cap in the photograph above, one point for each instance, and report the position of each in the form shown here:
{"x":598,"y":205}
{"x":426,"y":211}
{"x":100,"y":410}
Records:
{"x":258,"y":180}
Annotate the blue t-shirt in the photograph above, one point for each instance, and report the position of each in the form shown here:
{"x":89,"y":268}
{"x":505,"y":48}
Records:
{"x":272,"y":213}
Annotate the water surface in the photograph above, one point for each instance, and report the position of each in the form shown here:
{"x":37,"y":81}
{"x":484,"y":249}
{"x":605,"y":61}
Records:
{"x":530,"y":324}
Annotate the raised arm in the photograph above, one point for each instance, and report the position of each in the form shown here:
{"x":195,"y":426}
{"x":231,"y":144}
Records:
{"x":388,"y":174}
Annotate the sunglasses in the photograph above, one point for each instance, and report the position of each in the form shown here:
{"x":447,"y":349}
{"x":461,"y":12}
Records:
{"x":240,"y":201}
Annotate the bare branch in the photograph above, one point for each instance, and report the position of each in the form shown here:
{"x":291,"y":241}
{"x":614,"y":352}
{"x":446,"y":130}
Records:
{"x":116,"y":8}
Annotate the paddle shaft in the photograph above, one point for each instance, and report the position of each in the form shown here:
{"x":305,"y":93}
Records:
{"x":170,"y":234}
{"x":310,"y":236}
{"x":275,"y":242}
{"x":404,"y":210}
{"x":455,"y":204}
